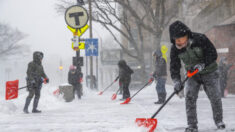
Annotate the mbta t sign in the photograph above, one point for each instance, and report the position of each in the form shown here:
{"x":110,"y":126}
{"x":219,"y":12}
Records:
{"x":76,"y":17}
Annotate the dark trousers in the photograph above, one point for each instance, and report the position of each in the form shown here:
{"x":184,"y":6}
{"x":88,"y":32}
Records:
{"x":125,"y":87}
{"x":77,"y":89}
{"x":33,"y":91}
{"x":211,"y":87}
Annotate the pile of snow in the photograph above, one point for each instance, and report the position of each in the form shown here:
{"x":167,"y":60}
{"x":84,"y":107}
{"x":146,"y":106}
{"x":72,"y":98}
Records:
{"x":7,"y":107}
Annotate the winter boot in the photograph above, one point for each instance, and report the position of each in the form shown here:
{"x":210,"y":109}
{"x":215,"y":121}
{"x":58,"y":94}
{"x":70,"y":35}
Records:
{"x":35,"y":105}
{"x":191,"y":128}
{"x":27,"y":102}
{"x":161,"y":98}
{"x":220,"y":125}
{"x":36,"y":111}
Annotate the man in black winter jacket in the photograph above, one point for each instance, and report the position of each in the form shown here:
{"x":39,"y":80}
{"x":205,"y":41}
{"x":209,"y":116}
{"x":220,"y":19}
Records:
{"x":196,"y":52}
{"x":124,"y":78}
{"x":160,"y":75}
{"x":35,"y":78}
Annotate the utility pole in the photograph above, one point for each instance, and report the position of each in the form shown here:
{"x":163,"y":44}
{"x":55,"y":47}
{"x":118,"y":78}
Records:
{"x":91,"y":58}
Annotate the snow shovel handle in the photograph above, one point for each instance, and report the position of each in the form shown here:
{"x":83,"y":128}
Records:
{"x":168,"y":99}
{"x":189,"y":74}
{"x":118,"y":90}
{"x":150,"y":80}
{"x":110,"y":84}
{"x":22,"y":87}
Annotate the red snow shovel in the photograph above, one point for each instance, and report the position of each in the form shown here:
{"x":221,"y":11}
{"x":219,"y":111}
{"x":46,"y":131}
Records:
{"x":108,"y":86}
{"x":56,"y":92}
{"x":115,"y":95}
{"x":151,"y":123}
{"x":12,"y":89}
{"x":129,"y":99}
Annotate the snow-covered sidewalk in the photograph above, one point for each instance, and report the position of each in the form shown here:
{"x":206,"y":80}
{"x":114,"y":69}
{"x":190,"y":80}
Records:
{"x":95,"y":113}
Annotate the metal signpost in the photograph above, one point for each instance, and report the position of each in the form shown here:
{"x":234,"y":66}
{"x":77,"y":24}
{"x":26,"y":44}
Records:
{"x":76,"y":18}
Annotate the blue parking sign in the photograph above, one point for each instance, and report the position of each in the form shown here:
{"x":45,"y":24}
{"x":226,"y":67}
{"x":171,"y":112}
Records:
{"x":91,"y":46}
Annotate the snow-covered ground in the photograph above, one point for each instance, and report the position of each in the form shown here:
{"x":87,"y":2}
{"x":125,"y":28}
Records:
{"x":95,"y":113}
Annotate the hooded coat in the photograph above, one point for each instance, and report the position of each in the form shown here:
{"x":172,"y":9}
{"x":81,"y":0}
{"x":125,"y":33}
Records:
{"x":35,"y":71}
{"x":74,"y":77}
{"x":196,"y":41}
{"x":124,"y":72}
{"x":160,"y":65}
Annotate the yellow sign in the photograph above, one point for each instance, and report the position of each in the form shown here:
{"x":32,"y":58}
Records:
{"x":81,"y":46}
{"x":80,"y":31}
{"x":164,"y":50}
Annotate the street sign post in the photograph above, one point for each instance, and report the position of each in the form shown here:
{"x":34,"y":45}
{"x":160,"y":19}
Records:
{"x":76,"y":17}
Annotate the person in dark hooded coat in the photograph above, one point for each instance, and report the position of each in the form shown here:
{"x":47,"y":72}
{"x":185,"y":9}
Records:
{"x":75,"y":78}
{"x":124,"y":78}
{"x":196,"y":52}
{"x":35,"y":77}
{"x":160,"y":75}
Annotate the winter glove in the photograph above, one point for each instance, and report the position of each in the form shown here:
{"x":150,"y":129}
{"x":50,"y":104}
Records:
{"x":46,"y":80}
{"x":177,"y":87}
{"x":80,"y":80}
{"x":154,"y":76}
{"x":200,"y":67}
{"x":150,"y":81}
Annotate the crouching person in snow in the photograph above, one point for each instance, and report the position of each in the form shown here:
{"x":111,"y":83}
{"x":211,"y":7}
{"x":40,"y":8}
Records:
{"x":35,"y":78}
{"x":74,"y":78}
{"x":124,"y":78}
{"x":197,"y":52}
{"x":160,"y":76}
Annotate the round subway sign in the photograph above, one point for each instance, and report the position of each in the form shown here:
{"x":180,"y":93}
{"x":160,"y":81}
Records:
{"x":76,"y":16}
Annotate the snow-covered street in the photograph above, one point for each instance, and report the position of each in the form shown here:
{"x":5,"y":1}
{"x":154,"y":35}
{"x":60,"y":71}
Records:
{"x":95,"y":113}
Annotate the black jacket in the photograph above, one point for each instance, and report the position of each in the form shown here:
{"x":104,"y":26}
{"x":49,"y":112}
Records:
{"x":124,"y":72}
{"x":160,"y":65}
{"x":74,"y":77}
{"x":177,"y":29}
{"x":35,"y":71}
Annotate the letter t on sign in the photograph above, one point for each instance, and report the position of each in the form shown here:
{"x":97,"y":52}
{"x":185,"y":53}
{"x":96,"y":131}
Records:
{"x":76,"y":17}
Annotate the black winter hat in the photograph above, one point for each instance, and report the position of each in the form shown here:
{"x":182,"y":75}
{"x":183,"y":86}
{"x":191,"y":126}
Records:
{"x":122,"y":63}
{"x":178,"y":29}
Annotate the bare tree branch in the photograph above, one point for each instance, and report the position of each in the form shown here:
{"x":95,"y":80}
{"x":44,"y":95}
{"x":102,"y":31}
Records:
{"x":10,"y":41}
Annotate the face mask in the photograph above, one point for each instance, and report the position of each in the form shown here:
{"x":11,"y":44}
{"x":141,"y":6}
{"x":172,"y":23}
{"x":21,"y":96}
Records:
{"x":181,"y":46}
{"x":189,"y":42}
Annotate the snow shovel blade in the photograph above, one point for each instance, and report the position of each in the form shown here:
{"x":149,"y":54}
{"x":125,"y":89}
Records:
{"x":149,"y":123}
{"x":100,"y":93}
{"x":114,"y":96}
{"x":56,"y":92}
{"x":12,"y":89}
{"x":126,"y":101}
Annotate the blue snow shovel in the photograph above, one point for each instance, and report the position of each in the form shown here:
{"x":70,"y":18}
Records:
{"x":151,"y":123}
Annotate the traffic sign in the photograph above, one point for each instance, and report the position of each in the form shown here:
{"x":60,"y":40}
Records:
{"x":76,"y":16}
{"x":91,"y":46}
{"x":80,"y":31}
{"x":80,"y":46}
